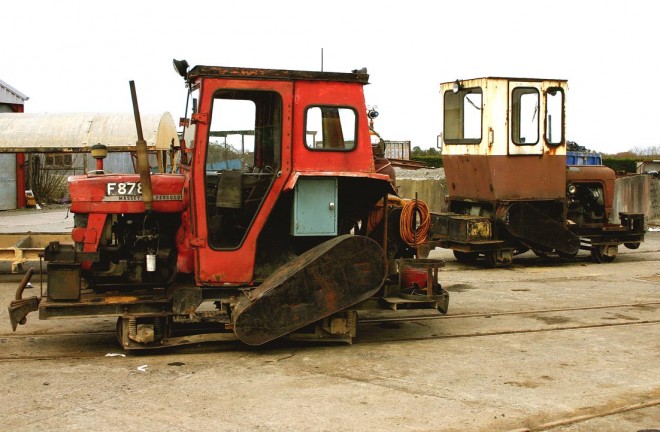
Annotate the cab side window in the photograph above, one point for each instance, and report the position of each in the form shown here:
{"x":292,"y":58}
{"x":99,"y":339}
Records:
{"x":463,"y":116}
{"x":330,"y":128}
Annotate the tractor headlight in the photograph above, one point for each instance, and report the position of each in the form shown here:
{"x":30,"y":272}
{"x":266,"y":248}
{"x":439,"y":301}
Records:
{"x":571,"y":189}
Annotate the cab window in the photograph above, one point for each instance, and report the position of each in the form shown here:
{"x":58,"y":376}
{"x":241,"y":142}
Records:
{"x":243,"y":157}
{"x":330,"y":128}
{"x":463,"y":116}
{"x":525,"y":116}
{"x":554,"y":119}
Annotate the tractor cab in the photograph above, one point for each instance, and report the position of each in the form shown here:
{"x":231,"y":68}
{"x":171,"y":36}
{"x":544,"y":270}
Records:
{"x":505,"y":138}
{"x":280,"y":161}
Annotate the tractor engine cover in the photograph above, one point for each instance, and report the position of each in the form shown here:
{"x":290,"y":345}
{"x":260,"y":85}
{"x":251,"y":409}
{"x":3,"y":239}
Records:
{"x":326,"y":279}
{"x":121,"y":193}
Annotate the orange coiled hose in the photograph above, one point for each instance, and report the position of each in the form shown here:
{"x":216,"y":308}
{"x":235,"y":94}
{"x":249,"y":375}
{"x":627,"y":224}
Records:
{"x":376,"y":214}
{"x":409,"y":212}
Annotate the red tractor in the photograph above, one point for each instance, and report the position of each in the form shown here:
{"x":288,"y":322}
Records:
{"x":291,"y":236}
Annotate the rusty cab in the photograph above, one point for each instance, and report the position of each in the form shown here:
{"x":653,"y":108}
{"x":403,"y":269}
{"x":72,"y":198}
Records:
{"x":273,"y":224}
{"x":509,"y":189}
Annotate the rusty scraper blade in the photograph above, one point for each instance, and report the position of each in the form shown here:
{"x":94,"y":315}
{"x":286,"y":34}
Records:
{"x":326,"y":279}
{"x":528,"y":223}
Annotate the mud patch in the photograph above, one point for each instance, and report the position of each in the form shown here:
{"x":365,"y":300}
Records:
{"x":523,"y":384}
{"x":650,"y":308}
{"x":552,"y":319}
{"x":652,"y":279}
{"x":458,"y":287}
{"x":620,"y":316}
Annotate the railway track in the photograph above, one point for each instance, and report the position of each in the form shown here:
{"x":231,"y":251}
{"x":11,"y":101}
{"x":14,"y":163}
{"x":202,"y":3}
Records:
{"x":95,"y":344}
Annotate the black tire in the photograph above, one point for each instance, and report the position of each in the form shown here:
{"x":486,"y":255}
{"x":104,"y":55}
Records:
{"x":598,"y":255}
{"x":491,"y":259}
{"x":566,"y":256}
{"x":632,"y":245}
{"x":541,"y":254}
{"x":466,"y":257}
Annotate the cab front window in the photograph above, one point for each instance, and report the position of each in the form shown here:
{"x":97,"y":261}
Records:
{"x":525,"y":116}
{"x":554,"y":119}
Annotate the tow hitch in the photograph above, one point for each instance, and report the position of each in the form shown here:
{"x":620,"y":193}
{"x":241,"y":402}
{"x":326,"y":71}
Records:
{"x":19,"y":308}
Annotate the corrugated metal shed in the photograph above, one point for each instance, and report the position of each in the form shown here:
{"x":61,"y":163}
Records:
{"x":76,"y":132}
{"x":10,"y":95}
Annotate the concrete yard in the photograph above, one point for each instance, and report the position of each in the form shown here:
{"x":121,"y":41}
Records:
{"x":542,"y":345}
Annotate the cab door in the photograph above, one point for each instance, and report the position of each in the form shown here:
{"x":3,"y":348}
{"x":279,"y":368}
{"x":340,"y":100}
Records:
{"x":242,"y":160}
{"x":525,"y":118}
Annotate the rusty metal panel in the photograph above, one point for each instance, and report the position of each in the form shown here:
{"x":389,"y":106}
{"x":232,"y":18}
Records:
{"x":17,"y":249}
{"x":277,"y":74}
{"x":461,"y":228}
{"x":525,"y":221}
{"x":63,"y":281}
{"x":8,"y":182}
{"x":489,"y":178}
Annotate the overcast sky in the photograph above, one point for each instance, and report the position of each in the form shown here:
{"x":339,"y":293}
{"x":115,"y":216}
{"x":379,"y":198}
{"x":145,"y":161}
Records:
{"x":78,"y":56}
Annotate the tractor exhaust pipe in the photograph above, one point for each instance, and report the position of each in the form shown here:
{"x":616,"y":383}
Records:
{"x":142,"y":155}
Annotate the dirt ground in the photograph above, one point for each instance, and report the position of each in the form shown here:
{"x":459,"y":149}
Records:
{"x":541,"y":345}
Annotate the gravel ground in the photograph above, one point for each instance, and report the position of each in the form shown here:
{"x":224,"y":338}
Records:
{"x":424,"y":173}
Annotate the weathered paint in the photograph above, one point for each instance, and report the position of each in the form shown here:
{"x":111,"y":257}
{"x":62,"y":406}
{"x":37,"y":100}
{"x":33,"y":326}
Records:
{"x":325,"y":280}
{"x":275,"y":74}
{"x":297,"y":90}
{"x":496,"y":115}
{"x":89,"y":194}
{"x":495,"y":168}
{"x":235,"y":266}
{"x":500,"y":177}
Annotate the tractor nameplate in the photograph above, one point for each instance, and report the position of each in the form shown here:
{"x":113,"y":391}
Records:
{"x":123,"y":188}
{"x":132,"y":191}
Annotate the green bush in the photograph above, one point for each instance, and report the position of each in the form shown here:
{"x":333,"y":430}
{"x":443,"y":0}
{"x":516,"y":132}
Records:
{"x":621,"y":165}
{"x":434,"y":161}
{"x":617,"y":164}
{"x":48,"y":185}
